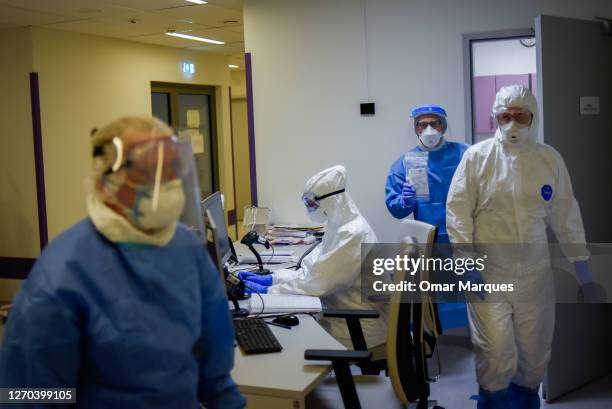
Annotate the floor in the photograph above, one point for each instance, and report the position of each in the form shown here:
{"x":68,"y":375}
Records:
{"x":453,"y":390}
{"x":454,"y":387}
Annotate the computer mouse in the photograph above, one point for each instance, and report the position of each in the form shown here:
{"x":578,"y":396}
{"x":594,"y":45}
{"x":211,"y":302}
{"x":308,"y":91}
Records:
{"x":289,"y":320}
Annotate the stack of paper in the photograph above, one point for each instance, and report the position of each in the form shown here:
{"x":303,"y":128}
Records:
{"x":277,"y":304}
{"x":275,"y":233}
{"x":286,"y":241}
{"x":267,"y":258}
{"x":287,"y":233}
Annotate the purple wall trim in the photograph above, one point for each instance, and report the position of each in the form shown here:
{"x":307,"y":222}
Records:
{"x":229,"y":214}
{"x":231,"y":217}
{"x":38,"y":160}
{"x":15,"y":267}
{"x":251,"y":119}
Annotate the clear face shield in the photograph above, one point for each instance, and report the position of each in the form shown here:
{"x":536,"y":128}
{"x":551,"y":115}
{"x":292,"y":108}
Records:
{"x":152,"y":182}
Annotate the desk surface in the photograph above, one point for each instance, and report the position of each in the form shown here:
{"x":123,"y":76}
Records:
{"x":285,"y":373}
{"x":298,"y":250}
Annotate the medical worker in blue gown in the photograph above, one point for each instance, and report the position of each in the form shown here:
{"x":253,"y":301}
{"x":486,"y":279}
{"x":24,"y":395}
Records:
{"x":440,"y":158}
{"x":418,"y":184}
{"x":126,"y":305}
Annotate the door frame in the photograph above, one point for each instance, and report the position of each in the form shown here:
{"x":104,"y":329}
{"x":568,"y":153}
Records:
{"x":173,"y":89}
{"x":467,"y":40}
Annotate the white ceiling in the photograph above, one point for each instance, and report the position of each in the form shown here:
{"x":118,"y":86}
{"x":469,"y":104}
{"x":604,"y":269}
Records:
{"x":137,"y":20}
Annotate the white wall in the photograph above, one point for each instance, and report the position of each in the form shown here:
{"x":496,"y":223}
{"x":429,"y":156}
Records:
{"x":309,"y":69}
{"x":502,"y":57}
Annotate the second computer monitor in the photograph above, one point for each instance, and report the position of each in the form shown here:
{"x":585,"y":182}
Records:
{"x":212,"y":208}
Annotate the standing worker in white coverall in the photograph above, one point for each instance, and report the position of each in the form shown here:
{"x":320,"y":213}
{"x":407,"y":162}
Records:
{"x":332,"y":270}
{"x":508,"y":189}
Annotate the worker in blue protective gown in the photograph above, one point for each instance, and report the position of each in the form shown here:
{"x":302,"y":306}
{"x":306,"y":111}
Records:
{"x":126,"y":306}
{"x":423,"y":194}
{"x":440,"y":157}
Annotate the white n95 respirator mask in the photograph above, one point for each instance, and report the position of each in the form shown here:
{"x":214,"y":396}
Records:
{"x":514,"y":133}
{"x":430,"y":138}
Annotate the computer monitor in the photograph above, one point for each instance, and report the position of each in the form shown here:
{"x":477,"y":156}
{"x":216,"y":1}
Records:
{"x":220,"y":249}
{"x":214,"y":215}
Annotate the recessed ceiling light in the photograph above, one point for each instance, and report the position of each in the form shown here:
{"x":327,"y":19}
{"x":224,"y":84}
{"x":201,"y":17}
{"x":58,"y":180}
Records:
{"x":197,"y":1}
{"x":233,"y":66}
{"x":195,"y":38}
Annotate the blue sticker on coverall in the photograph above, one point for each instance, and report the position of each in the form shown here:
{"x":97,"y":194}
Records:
{"x":547,"y":192}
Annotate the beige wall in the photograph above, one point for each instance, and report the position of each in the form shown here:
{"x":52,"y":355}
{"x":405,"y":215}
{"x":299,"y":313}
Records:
{"x":86,"y":81}
{"x":241,"y":141}
{"x":238,"y":83}
{"x":241,"y":155}
{"x":18,"y":213}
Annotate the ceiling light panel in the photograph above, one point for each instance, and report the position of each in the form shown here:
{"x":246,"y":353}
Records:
{"x":193,"y":37}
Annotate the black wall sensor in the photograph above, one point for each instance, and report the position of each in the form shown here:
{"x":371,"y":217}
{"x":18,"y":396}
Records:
{"x":367,"y":108}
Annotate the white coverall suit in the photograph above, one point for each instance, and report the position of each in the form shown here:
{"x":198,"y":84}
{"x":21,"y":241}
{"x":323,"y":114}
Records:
{"x":509,"y":192}
{"x":332,"y":270}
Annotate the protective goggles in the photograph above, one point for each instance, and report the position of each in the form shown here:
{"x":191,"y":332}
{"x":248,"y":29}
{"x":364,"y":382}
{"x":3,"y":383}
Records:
{"x":311,"y":201}
{"x":421,"y":125}
{"x":521,"y":117}
{"x":146,"y":163}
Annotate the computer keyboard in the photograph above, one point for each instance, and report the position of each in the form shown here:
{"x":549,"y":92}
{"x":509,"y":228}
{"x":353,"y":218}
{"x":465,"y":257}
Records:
{"x":254,"y":336}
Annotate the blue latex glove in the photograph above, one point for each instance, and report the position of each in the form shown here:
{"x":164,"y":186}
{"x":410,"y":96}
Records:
{"x":589,"y":292}
{"x":251,"y":287}
{"x":256,"y":278}
{"x":408,"y":194}
{"x":583,"y":272}
{"x":474,"y":276}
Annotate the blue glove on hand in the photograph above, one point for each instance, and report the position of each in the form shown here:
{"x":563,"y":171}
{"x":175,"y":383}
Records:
{"x":256,"y":278}
{"x":252,"y":287}
{"x":474,"y":277}
{"x":408,"y":194}
{"x":590,"y":291}
{"x":583,"y":272}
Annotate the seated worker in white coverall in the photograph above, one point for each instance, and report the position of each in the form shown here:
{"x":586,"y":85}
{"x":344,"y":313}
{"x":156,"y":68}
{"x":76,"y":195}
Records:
{"x":507,"y":190}
{"x":332,"y":270}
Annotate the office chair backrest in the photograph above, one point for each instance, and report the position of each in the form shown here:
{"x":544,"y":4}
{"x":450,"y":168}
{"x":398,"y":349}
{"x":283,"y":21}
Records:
{"x":406,"y":369}
{"x":421,"y":232}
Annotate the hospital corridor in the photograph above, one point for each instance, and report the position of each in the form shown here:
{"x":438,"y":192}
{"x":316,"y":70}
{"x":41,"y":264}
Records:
{"x":325,"y":204}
